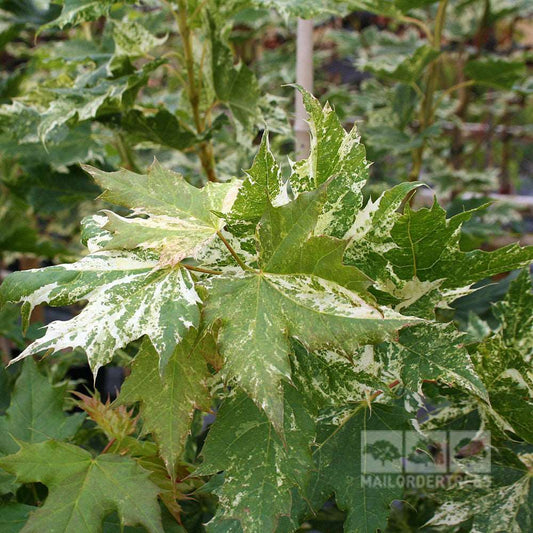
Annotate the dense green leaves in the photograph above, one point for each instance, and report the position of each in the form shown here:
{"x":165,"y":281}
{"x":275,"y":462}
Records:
{"x":294,"y":303}
{"x":83,"y":490}
{"x":27,"y":421}
{"x":169,"y":401}
{"x":268,"y":326}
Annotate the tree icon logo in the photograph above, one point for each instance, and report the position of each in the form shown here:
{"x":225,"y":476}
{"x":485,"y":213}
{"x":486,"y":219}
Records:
{"x":383,"y":450}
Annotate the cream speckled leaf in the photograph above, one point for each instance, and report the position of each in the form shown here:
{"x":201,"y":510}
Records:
{"x":264,"y":185}
{"x":260,"y":311}
{"x":302,"y":290}
{"x":334,"y":153}
{"x":330,"y":379}
{"x":180,"y":216}
{"x":168,"y":401}
{"x":69,"y":283}
{"x":78,"y":11}
{"x":415,"y":256}
{"x":128,"y":298}
{"x":506,"y":506}
{"x":93,"y":234}
{"x":96,"y":93}
{"x":504,"y":361}
{"x":259,"y":468}
{"x":432,"y":352}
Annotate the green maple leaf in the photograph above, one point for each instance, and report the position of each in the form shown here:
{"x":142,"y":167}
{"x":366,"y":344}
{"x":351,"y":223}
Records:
{"x":428,"y":248}
{"x":83,"y":489}
{"x":162,"y":128}
{"x":432,"y":352}
{"x":168,"y":401}
{"x":264,"y":185}
{"x":297,"y":292}
{"x":416,"y":257}
{"x":25,"y":420}
{"x":13,"y":516}
{"x":259,"y":468}
{"x":180,"y":216}
{"x":128,"y":298}
{"x":341,"y":438}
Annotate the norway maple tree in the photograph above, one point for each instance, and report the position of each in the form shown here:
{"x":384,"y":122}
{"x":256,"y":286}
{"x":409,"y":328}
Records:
{"x":297,"y":313}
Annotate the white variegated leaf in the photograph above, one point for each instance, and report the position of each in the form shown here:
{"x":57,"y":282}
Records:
{"x":178,"y":219}
{"x":260,"y":311}
{"x":128,"y":298}
{"x":334,"y":153}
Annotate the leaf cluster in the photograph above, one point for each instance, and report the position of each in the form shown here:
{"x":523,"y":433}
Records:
{"x":292,"y":309}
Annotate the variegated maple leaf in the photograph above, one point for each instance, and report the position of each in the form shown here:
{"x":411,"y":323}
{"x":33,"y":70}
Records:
{"x":301,"y":289}
{"x":177,"y":219}
{"x":128,"y":297}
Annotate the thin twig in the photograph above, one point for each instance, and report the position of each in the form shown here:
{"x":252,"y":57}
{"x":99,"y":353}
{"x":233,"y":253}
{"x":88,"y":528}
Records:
{"x":422,"y":25}
{"x":450,"y":90}
{"x":109,"y":444}
{"x":240,"y":262}
{"x":201,"y":269}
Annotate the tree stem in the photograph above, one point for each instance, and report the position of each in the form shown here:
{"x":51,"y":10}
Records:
{"x":427,"y":111}
{"x":193,"y":86}
{"x":127,"y":158}
{"x":422,"y":25}
{"x":108,"y":445}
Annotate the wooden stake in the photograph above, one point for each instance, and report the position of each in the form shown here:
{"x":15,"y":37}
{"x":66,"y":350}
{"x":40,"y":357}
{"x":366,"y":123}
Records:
{"x":304,"y":77}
